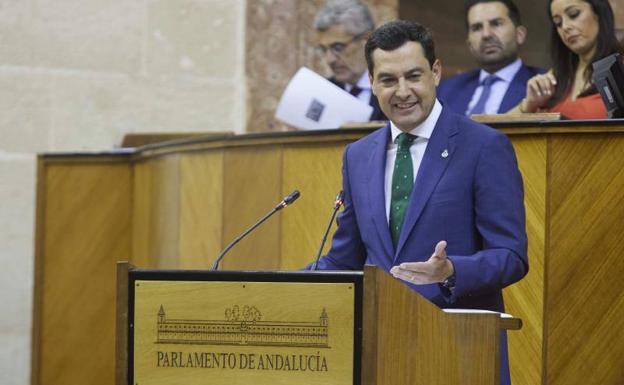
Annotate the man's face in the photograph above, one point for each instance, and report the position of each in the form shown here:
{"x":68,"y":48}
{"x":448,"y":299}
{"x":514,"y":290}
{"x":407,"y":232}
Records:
{"x":405,"y":84}
{"x":343,"y":52}
{"x":493,"y":38}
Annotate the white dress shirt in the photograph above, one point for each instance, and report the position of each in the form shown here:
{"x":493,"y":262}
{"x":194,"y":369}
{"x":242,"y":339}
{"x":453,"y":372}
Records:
{"x":498,"y":89}
{"x":417,"y":149}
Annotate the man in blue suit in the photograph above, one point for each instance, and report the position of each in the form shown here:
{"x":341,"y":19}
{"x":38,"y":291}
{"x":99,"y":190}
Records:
{"x":495,"y":33}
{"x":433,"y":197}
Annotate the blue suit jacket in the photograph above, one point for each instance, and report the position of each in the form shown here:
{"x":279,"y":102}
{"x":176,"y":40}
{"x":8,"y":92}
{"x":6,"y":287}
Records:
{"x":472,"y":198}
{"x":455,"y":92}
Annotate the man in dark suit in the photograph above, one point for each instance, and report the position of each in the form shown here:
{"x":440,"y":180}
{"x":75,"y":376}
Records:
{"x":495,"y":33}
{"x":342,"y":27}
{"x":433,"y":197}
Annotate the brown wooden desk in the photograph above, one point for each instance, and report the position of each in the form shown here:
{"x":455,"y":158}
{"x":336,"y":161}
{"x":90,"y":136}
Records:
{"x":175,"y":205}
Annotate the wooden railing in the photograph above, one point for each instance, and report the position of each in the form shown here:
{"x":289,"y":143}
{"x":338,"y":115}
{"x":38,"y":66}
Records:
{"x":175,"y":205}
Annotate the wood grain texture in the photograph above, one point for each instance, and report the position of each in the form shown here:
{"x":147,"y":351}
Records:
{"x":39,"y":274}
{"x":87,"y":229}
{"x":315,"y":170}
{"x":585,"y":291}
{"x":146,"y":138}
{"x":121,"y":324}
{"x":157,"y":213}
{"x":201,"y":214}
{"x":370,"y":331}
{"x":142,"y":215}
{"x":251,"y":188}
{"x":202,"y":194}
{"x":525,"y":298}
{"x":435,"y":347}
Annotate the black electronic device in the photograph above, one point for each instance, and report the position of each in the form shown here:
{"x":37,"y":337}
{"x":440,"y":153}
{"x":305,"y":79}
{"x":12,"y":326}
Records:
{"x":608,"y":78}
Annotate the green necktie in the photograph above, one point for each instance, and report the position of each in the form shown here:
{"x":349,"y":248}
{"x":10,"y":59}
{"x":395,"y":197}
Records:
{"x":402,"y":184}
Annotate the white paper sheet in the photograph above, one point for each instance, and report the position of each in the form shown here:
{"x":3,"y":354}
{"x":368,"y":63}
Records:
{"x":311,"y":102}
{"x":477,"y":311}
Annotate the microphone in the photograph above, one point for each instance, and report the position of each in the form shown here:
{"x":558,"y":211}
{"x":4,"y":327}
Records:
{"x":289,"y":199}
{"x":337,"y":203}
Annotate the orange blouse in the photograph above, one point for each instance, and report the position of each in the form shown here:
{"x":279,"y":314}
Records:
{"x":587,"y":107}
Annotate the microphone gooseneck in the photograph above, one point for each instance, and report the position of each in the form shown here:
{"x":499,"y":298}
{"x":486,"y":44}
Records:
{"x":337,"y":203}
{"x":289,"y":199}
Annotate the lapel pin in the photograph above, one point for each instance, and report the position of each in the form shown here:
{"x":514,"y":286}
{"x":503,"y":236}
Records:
{"x":444,"y":154}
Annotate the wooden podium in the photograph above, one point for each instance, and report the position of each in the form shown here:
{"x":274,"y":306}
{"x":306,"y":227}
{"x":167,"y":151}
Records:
{"x":176,"y":205}
{"x":204,"y":327}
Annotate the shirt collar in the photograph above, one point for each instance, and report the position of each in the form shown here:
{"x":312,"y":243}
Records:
{"x":424,"y":129}
{"x":506,"y":73}
{"x":364,"y":82}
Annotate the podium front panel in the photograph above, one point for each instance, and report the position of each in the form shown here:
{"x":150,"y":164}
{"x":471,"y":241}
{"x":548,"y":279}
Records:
{"x":217,"y":328}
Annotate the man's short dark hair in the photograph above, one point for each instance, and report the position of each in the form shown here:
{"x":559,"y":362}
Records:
{"x":393,"y":35}
{"x":512,"y":9}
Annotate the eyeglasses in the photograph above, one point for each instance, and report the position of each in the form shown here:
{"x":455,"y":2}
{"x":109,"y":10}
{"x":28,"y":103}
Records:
{"x":337,"y":48}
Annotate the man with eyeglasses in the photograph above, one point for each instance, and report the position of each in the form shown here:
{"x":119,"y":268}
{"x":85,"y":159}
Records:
{"x":342,"y":28}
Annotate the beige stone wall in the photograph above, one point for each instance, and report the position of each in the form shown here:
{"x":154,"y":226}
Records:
{"x":17,"y":180}
{"x":78,"y":75}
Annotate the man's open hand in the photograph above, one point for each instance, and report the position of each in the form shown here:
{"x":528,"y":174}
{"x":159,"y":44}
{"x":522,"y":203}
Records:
{"x":436,"y":269}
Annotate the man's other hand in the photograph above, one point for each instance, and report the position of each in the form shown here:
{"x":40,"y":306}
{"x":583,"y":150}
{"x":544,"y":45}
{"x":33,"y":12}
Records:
{"x":436,"y":269}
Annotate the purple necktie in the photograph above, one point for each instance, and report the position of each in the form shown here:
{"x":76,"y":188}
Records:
{"x":355,"y":91}
{"x":479,"y":108}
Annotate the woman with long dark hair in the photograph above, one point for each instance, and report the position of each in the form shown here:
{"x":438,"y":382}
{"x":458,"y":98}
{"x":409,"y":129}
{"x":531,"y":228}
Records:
{"x":582,"y":31}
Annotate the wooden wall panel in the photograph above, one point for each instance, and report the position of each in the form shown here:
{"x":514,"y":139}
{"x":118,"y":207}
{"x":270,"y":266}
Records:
{"x":252,"y":187}
{"x":428,"y":339}
{"x":157,"y":212}
{"x":525,"y":298}
{"x":86,"y":230}
{"x":315,"y":170}
{"x":176,"y":207}
{"x":584,"y":290}
{"x":141,"y":215}
{"x":201,"y":219}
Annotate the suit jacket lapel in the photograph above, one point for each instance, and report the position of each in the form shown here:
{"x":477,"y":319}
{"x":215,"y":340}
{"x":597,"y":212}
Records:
{"x":376,"y":190}
{"x":463,"y":99}
{"x":432,"y":167}
{"x":516,"y":90}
